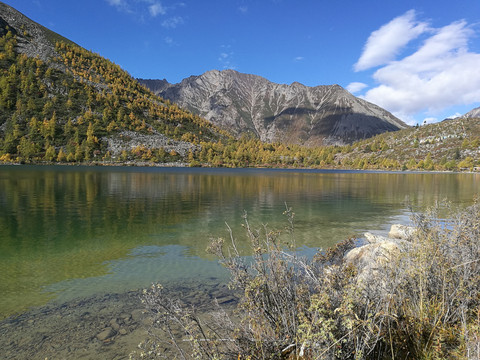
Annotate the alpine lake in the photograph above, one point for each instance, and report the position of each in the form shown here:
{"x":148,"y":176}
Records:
{"x":78,"y":244}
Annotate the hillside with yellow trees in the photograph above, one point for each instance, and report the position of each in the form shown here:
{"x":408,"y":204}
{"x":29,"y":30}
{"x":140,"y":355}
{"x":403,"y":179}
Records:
{"x":65,"y":107}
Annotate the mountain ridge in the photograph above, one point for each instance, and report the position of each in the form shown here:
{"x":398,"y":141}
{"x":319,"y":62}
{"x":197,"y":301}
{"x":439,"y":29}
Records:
{"x":295,"y":113}
{"x":35,"y":40}
{"x":474,"y":113}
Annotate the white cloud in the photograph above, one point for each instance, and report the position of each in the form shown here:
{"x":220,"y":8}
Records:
{"x":441,"y":72}
{"x":226,"y":58}
{"x":116,"y":2}
{"x":355,"y":87}
{"x":157,"y":9}
{"x":140,"y":9}
{"x":298,"y":58}
{"x":454,"y":116}
{"x":243,"y":9}
{"x":385,"y":43}
{"x":119,"y":4}
{"x":173,"y":22}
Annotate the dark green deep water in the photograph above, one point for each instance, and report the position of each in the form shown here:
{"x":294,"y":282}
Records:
{"x":70,"y":232}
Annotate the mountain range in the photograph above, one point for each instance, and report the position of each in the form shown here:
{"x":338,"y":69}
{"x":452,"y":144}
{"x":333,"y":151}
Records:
{"x":245,"y":103}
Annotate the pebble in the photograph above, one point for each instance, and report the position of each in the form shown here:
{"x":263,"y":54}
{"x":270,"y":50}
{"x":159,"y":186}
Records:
{"x":125,"y":316}
{"x":114,"y":324}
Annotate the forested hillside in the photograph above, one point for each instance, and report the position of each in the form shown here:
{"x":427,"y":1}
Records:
{"x":65,"y":109}
{"x":450,"y":145}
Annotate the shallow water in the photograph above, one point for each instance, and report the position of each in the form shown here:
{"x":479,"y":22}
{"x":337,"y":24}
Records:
{"x":73,"y":232}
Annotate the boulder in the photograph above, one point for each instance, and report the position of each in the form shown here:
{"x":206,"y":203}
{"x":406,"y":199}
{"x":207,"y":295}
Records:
{"x":378,"y":253}
{"x":372,"y":262}
{"x":372,"y":255}
{"x":373,"y":239}
{"x":403,"y":232}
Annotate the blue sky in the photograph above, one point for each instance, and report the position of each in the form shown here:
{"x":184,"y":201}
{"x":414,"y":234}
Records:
{"x":418,"y":59}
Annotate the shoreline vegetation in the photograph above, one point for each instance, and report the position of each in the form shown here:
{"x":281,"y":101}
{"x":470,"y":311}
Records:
{"x":413,"y":295}
{"x":328,"y":158}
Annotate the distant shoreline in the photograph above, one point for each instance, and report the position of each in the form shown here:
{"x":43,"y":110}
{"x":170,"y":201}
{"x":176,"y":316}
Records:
{"x":131,"y":164}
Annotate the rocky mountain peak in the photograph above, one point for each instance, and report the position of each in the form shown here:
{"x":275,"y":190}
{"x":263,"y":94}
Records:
{"x":246,"y":103}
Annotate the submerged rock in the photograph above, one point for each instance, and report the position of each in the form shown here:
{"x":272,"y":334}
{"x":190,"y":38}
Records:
{"x":106,"y":334}
{"x":114,"y":324}
{"x":138,"y":315}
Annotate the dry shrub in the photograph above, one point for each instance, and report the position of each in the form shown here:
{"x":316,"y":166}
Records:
{"x":422,"y":304}
{"x":435,"y":287}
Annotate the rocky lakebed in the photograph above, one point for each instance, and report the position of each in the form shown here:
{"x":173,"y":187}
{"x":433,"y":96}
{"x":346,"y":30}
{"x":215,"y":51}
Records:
{"x":108,"y":326}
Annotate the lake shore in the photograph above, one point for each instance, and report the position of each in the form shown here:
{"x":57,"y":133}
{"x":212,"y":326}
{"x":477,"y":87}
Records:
{"x":147,"y":164}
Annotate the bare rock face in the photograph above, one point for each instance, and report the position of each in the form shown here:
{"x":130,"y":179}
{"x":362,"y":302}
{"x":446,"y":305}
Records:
{"x":34,"y":40}
{"x":128,"y":140}
{"x":157,"y":86}
{"x":243,"y":103}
